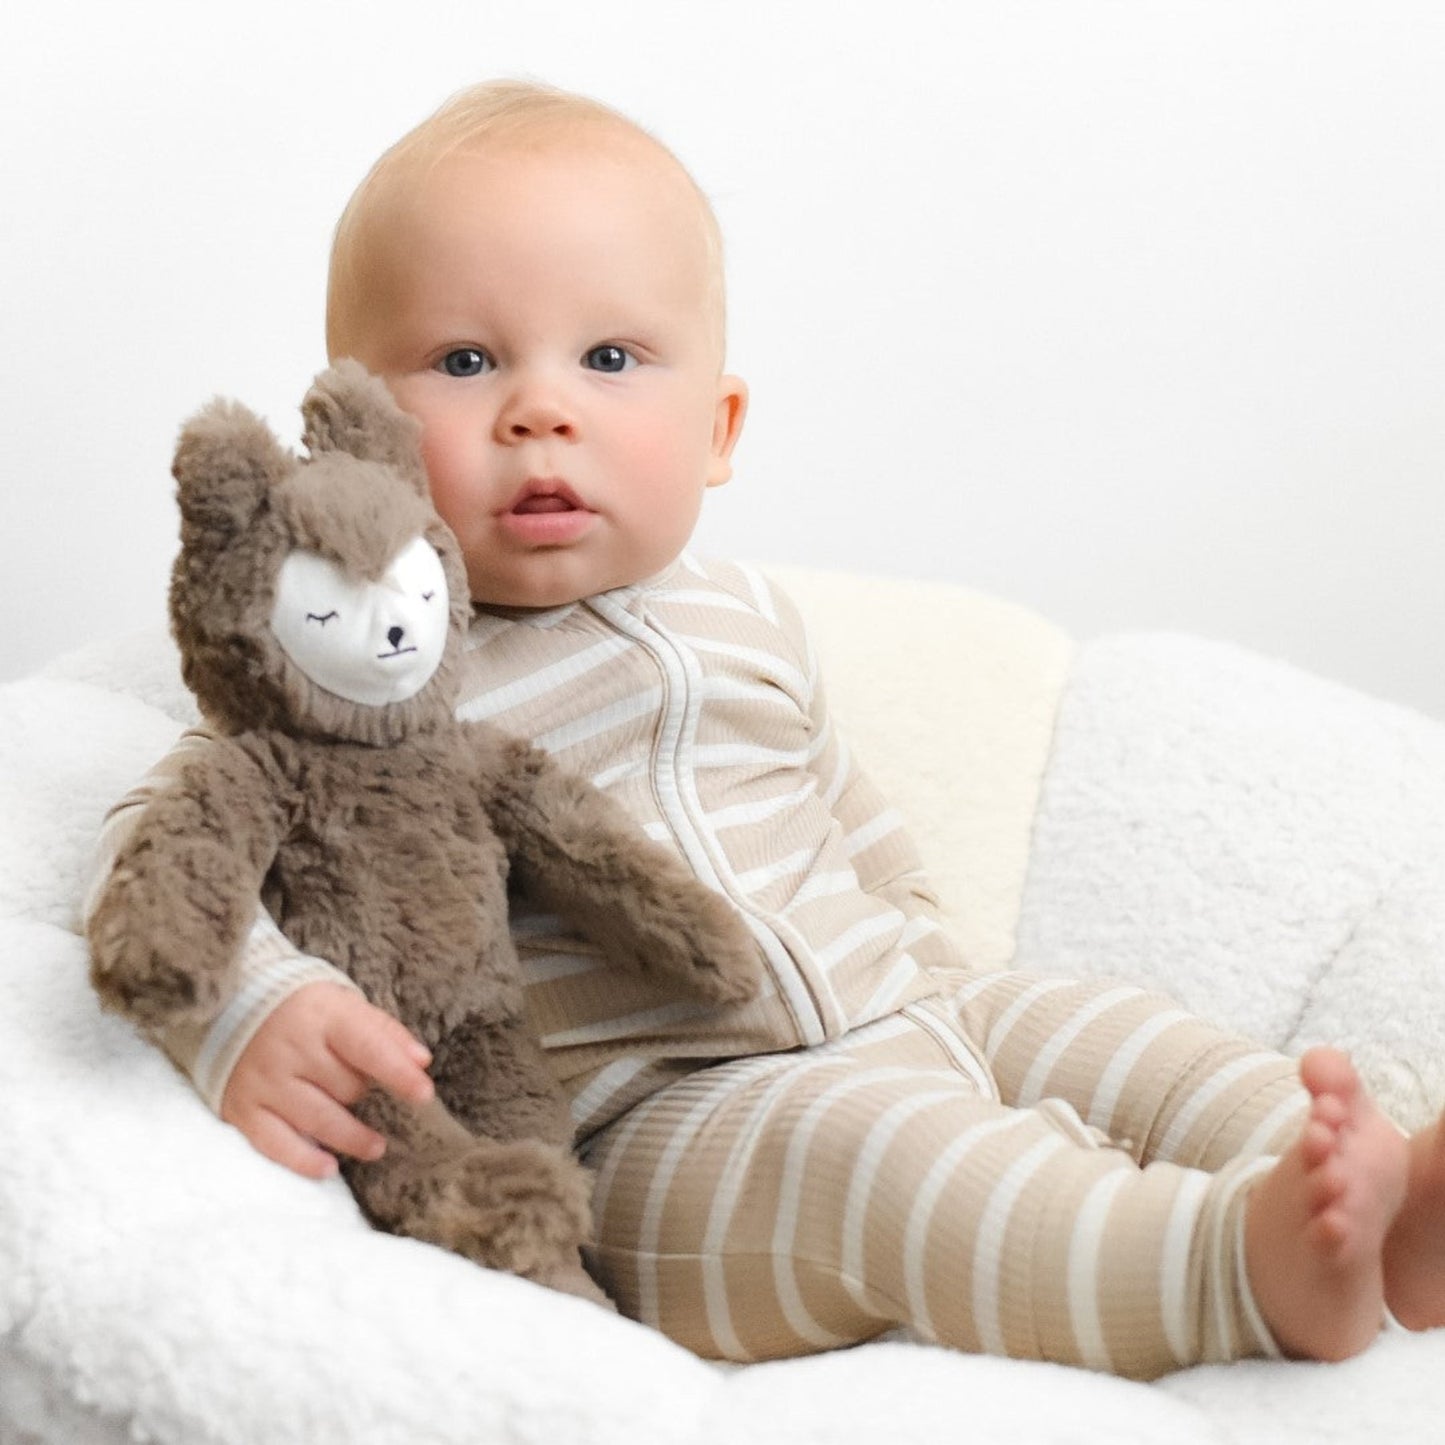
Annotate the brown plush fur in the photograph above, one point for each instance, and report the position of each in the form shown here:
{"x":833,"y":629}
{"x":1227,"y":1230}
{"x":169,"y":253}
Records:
{"x":384,"y":839}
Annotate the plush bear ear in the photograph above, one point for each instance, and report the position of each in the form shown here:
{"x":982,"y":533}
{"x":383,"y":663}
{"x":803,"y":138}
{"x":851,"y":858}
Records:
{"x":225,"y":465}
{"x":349,"y":410}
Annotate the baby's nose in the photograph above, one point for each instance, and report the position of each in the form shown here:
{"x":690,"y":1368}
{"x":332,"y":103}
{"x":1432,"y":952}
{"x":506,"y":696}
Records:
{"x":535,"y":407}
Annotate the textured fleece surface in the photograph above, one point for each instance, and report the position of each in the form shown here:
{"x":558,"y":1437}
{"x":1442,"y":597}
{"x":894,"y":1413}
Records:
{"x":1258,"y":841}
{"x":1267,"y":847}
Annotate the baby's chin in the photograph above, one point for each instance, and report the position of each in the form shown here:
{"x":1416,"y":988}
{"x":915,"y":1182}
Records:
{"x":557,"y":581}
{"x":514,"y":599}
{"x":538,"y":595}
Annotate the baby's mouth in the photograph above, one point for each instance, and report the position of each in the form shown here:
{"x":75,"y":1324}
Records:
{"x":543,"y":496}
{"x":546,"y":513}
{"x":534,"y":506}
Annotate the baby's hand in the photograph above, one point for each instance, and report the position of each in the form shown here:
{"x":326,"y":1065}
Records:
{"x":318,"y":1053}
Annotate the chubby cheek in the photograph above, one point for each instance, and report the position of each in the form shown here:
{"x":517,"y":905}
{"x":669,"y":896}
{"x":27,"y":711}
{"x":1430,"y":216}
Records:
{"x":667,"y":471}
{"x":665,"y":517}
{"x":443,"y":450}
{"x":458,"y":499}
{"x":662,"y":453}
{"x":452,"y":480}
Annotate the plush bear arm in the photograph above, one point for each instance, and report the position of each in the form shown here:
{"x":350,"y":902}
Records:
{"x":576,"y":851}
{"x":181,"y":896}
{"x":269,"y":967}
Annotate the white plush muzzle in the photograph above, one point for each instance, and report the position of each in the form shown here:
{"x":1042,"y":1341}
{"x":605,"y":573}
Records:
{"x":369,"y":642}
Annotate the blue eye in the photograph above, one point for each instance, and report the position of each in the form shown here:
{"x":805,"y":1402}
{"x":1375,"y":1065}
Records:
{"x":466,"y":361}
{"x":608,"y":358}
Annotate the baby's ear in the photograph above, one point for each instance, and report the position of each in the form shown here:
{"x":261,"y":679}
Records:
{"x":349,"y":410}
{"x":225,"y":465}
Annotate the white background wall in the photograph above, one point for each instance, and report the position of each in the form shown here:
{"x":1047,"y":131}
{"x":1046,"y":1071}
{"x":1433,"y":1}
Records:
{"x":1129,"y":310}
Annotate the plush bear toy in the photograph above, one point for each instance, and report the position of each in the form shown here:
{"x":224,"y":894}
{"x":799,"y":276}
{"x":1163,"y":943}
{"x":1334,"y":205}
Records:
{"x":320,"y":608}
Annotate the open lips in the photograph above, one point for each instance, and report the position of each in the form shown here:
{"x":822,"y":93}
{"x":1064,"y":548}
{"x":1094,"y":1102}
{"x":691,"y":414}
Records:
{"x":547,"y":513}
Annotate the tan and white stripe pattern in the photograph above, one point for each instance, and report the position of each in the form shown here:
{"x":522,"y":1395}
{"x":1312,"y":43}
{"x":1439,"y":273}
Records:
{"x":894,"y":1141}
{"x":775,"y":1206}
{"x":694,"y":700}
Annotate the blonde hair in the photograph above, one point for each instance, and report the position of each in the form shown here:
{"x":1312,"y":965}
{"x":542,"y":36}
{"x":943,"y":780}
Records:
{"x":505,"y":115}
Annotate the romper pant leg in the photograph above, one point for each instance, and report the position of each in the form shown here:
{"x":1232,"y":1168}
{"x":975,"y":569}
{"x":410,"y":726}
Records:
{"x":1153,"y":1078}
{"x":785,"y":1204}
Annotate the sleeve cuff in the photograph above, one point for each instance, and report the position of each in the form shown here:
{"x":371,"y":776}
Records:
{"x":208,"y":1052}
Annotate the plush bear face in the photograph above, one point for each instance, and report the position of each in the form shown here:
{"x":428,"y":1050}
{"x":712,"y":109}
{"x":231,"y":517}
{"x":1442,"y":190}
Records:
{"x":324,"y":597}
{"x":371,"y":642}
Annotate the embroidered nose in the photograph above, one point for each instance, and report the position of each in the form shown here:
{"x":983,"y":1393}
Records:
{"x":394,"y":635}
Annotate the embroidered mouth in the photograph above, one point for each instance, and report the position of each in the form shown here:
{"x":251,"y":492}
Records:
{"x":398,"y":652}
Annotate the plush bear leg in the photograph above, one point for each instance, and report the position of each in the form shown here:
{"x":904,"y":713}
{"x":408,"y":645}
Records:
{"x":519,"y":1205}
{"x":491,"y":1176}
{"x":495,"y":1079}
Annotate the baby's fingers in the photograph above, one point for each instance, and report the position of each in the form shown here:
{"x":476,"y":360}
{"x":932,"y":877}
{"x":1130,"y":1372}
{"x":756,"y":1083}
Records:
{"x":279,"y":1142}
{"x":309,"y":1132}
{"x":317,"y":1116}
{"x":379,"y":1048}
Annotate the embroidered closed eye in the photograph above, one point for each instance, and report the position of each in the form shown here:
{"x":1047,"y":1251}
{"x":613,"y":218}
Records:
{"x":323,"y":620}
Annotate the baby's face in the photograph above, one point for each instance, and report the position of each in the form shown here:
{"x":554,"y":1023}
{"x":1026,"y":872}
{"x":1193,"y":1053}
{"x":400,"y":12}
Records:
{"x":545,"y":314}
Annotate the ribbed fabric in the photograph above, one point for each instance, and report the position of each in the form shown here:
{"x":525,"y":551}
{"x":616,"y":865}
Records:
{"x":775,"y":1206}
{"x":893,"y":1141}
{"x":695,"y":701}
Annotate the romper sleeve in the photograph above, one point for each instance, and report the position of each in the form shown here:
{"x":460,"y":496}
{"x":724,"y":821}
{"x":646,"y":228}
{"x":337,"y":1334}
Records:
{"x":270,"y":967}
{"x":875,"y":834}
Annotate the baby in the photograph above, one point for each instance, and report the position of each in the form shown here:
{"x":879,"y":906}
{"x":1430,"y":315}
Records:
{"x":1043,"y":1168}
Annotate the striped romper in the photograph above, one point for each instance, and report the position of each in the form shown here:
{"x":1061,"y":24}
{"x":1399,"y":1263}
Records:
{"x":1042,"y":1168}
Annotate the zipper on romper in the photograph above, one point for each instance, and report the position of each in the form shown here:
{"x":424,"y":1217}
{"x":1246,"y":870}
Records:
{"x":682,"y":678}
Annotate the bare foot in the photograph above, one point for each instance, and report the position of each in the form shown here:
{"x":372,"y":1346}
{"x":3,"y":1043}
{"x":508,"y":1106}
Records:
{"x":1315,"y":1226}
{"x":1415,"y":1245}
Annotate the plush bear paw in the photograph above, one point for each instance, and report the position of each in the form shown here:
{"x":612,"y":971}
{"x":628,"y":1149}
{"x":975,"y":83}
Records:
{"x":146,"y":983}
{"x":724,"y":963}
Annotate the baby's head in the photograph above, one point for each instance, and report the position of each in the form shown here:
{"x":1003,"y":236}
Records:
{"x":540,"y":282}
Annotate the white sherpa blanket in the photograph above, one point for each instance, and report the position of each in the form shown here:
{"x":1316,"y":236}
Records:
{"x":1255,"y":841}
